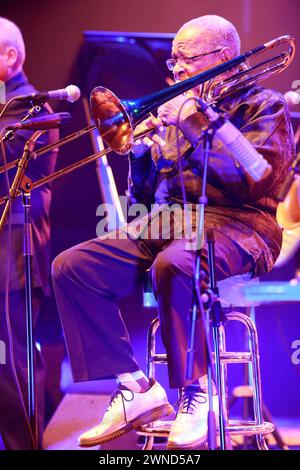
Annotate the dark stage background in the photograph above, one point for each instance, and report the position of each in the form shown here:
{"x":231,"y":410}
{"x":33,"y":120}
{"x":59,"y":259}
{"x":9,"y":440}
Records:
{"x":57,"y":55}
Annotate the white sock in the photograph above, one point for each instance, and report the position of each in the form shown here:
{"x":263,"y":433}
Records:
{"x":134,"y":381}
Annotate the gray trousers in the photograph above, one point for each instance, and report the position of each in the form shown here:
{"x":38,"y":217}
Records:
{"x":91,"y":278}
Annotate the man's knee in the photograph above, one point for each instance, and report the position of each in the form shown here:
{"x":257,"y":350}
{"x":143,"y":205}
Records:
{"x":170,"y":264}
{"x":162,"y":265}
{"x":62,"y":264}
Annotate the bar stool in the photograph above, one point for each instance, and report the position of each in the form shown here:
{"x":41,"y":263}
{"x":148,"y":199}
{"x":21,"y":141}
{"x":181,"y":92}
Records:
{"x":232,"y":297}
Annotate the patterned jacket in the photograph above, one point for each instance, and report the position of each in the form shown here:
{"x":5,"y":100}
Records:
{"x":244,"y":210}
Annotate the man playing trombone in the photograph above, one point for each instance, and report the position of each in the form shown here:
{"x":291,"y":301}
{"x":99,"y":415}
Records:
{"x":91,"y":278}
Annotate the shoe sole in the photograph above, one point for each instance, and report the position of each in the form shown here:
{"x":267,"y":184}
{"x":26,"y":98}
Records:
{"x":148,"y":417}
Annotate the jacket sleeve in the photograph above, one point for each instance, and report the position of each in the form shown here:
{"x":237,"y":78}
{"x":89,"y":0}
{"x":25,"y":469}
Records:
{"x":142,"y":179}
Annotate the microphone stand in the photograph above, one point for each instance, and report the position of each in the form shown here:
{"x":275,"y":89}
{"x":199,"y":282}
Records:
{"x":23,"y":183}
{"x":207,"y":302}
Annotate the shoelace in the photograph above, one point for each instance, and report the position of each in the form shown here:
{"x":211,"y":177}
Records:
{"x":189,"y":399}
{"x":114,"y":397}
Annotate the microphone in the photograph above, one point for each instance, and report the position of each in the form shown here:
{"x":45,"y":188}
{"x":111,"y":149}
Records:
{"x":70,"y":93}
{"x":50,"y":121}
{"x":292,"y":98}
{"x":244,"y":152}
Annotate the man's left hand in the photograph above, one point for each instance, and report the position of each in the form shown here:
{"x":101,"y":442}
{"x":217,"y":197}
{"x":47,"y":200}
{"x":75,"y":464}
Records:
{"x":183,"y":104}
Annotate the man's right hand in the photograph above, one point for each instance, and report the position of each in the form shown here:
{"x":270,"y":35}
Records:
{"x":156,"y":136}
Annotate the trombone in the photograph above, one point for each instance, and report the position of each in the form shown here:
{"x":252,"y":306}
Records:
{"x":115,"y":119}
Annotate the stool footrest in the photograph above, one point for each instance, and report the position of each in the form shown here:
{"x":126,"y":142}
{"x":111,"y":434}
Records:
{"x":226,"y":357}
{"x":159,"y":359}
{"x":249,"y":428}
{"x":244,"y":428}
{"x":157,"y":428}
{"x":234,"y":357}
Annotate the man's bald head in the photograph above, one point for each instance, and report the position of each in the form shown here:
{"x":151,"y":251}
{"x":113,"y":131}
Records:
{"x":208,"y":33}
{"x":12,"y":48}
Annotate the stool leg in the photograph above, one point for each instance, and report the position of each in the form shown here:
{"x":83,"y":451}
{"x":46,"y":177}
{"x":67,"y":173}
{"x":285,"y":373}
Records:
{"x":221,"y":387}
{"x":224,"y":386}
{"x":151,"y":348}
{"x":256,"y":380}
{"x":248,"y":402}
{"x":149,"y":441}
{"x":150,"y":368}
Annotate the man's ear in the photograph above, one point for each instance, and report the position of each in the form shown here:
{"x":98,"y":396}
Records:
{"x":12,"y":56}
{"x":226,"y":54}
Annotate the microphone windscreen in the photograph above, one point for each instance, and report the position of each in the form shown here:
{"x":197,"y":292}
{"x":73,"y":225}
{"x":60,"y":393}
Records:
{"x":73,"y":93}
{"x":292,"y":98}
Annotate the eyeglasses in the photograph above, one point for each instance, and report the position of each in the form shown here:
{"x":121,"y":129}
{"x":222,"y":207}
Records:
{"x":187,"y":60}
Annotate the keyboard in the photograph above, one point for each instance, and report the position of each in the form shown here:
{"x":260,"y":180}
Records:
{"x":273,"y":292}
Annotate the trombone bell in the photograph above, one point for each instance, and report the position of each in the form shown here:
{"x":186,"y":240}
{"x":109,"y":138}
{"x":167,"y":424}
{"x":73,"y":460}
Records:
{"x":111,"y":120}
